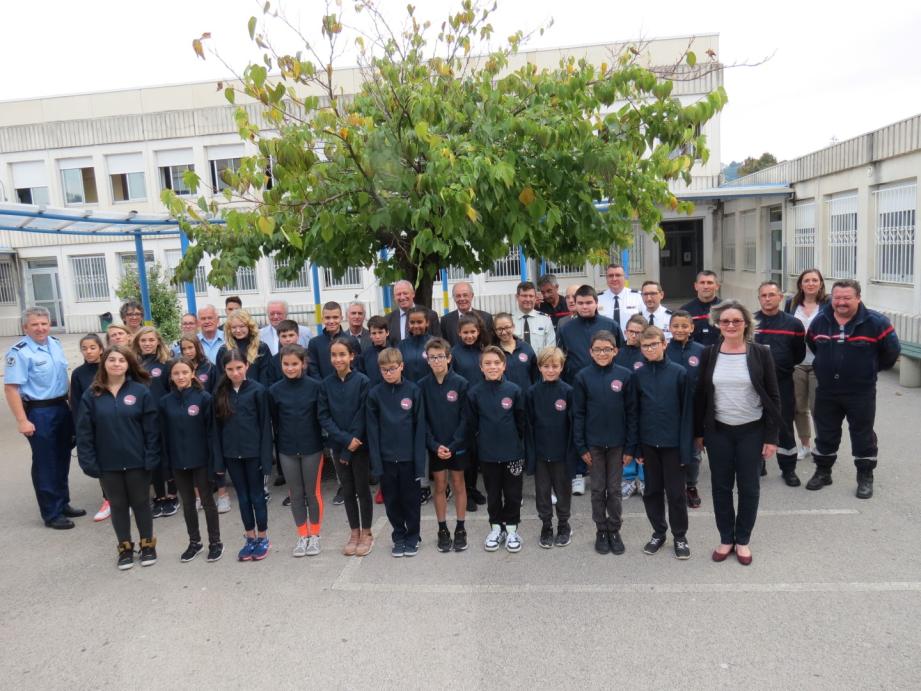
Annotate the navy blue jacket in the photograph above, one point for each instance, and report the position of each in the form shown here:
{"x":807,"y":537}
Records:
{"x":630,"y":357}
{"x":80,"y":380}
{"x":497,"y":418}
{"x":248,"y":432}
{"x":159,"y":376}
{"x":118,"y":433}
{"x":521,"y":365}
{"x":786,"y":337}
{"x":688,"y":355}
{"x":665,"y":408}
{"x":549,"y":412}
{"x":465,"y":360}
{"x":259,"y":371}
{"x":848,"y":358}
{"x":575,"y":339}
{"x":604,"y":408}
{"x":705,"y":333}
{"x":207,"y":375}
{"x":415,"y":360}
{"x":445,"y":412}
{"x":396,"y":426}
{"x":342,"y":411}
{"x":369,"y":364}
{"x":188,"y":435}
{"x":294,"y":404}
{"x":319,"y":366}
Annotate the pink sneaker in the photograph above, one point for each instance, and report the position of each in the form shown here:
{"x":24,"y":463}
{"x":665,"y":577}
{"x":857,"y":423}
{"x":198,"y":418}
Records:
{"x":104,"y":512}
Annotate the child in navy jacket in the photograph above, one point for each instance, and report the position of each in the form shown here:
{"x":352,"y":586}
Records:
{"x":396,"y":439}
{"x":412,"y":348}
{"x":549,"y":441}
{"x":520,"y":362}
{"x":81,"y":379}
{"x":380,"y":332}
{"x":497,"y":418}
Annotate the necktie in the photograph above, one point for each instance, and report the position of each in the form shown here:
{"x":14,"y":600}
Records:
{"x":526,"y":329}
{"x":403,"y":320}
{"x":652,"y":319}
{"x":617,"y":310}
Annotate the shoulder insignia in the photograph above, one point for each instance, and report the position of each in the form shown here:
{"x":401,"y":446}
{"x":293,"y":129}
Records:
{"x":21,"y":344}
{"x":10,"y":360}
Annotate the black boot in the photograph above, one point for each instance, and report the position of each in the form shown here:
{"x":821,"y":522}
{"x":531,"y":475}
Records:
{"x":820,"y":478}
{"x":864,"y":484}
{"x":791,"y":478}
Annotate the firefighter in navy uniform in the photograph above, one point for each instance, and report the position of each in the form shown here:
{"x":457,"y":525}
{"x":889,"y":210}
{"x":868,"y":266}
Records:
{"x":707,"y":286}
{"x":35,"y":386}
{"x":785,"y":336}
{"x":851,"y":344}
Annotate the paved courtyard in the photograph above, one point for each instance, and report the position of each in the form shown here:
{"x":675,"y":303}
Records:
{"x":832,"y":600}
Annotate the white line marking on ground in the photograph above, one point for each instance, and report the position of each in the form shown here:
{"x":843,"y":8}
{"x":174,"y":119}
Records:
{"x":627,"y":588}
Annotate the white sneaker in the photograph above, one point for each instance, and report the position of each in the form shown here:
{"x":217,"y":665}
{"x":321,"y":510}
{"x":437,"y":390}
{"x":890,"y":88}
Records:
{"x":104,"y":512}
{"x":313,"y":546}
{"x":495,"y":538}
{"x":578,"y":485}
{"x":803,"y":452}
{"x":553,"y":497}
{"x":198,"y":503}
{"x":640,"y":487}
{"x":300,"y":549}
{"x":223,"y":503}
{"x":627,"y":488}
{"x":513,"y":540}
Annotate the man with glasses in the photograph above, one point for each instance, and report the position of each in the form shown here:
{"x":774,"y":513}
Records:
{"x":619,"y":302}
{"x":654,"y":311}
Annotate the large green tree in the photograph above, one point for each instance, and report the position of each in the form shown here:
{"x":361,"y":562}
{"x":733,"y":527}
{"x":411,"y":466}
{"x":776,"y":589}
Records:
{"x":445,"y":156}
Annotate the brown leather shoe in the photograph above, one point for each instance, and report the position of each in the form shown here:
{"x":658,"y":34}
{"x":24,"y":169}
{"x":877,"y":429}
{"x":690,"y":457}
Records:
{"x":365,"y":544}
{"x":352,"y":545}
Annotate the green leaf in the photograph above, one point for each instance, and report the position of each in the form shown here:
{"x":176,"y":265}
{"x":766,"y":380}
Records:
{"x":691,"y":58}
{"x":252,"y":28}
{"x":230,"y":95}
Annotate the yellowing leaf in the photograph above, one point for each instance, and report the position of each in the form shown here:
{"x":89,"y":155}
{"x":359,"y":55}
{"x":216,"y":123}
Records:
{"x":197,"y":47}
{"x":472,"y":214}
{"x":527,"y":196}
{"x":266,"y":224}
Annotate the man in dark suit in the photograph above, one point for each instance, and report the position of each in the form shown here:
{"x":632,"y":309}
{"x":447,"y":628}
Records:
{"x":463,"y":299}
{"x":404,"y":295}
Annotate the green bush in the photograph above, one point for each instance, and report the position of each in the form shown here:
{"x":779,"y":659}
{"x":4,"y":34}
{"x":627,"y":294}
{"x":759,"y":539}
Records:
{"x":164,"y":302}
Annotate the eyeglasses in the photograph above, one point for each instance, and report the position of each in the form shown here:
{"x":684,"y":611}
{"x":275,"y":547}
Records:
{"x":602,"y":351}
{"x":631,"y":332}
{"x":437,"y":358}
{"x":503,"y":329}
{"x":649,"y":295}
{"x":134,"y":314}
{"x":651,"y":346}
{"x":390,"y":370}
{"x":731,"y":322}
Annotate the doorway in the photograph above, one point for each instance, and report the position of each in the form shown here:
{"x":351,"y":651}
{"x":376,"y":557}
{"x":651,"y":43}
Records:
{"x":43,"y":288}
{"x":681,"y":257}
{"x":775,"y":244}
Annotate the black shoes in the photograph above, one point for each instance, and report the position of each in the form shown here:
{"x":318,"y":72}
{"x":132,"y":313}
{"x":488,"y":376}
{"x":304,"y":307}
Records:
{"x":215,"y":551}
{"x":460,"y":539}
{"x":476,"y":495}
{"x":148,"y":551}
{"x":125,"y":555}
{"x":617,"y":545}
{"x":682,"y":551}
{"x":425,"y":495}
{"x":444,"y":540}
{"x":546,"y":537}
{"x":791,"y":478}
{"x":60,"y":523}
{"x":286,"y":501}
{"x":156,"y":509}
{"x":170,"y":506}
{"x":191,"y":552}
{"x":70,"y":512}
{"x":563,"y":535}
{"x":693,"y":498}
{"x":280,"y":480}
{"x":602,"y":546}
{"x":654,"y":545}
{"x":763,"y":467}
{"x":471,"y":504}
{"x":864,"y":484}
{"x":338,"y":500}
{"x":820,"y":478}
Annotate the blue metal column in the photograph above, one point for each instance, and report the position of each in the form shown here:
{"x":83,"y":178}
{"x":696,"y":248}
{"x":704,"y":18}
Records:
{"x":542,"y":270}
{"x":189,"y":285}
{"x":142,"y":277}
{"x":317,"y":307}
{"x":523,"y":263}
{"x":444,"y":291}
{"x":385,"y":288}
{"x":625,"y":261}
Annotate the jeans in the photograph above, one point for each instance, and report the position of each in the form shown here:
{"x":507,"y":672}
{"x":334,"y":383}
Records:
{"x":735,"y":456}
{"x":129,"y":490}
{"x":249,"y":483}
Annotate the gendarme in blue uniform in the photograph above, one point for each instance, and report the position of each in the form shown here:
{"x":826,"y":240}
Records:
{"x":40,"y":372}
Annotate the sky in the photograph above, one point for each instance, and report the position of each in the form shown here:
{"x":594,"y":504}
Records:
{"x":804,"y":74}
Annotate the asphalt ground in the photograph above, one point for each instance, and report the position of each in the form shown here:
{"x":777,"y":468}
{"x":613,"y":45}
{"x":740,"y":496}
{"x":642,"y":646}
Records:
{"x":832,"y":600}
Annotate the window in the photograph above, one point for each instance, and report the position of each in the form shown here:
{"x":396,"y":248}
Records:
{"x":30,"y":182}
{"x":128,"y":263}
{"x":171,"y":178}
{"x":302,"y":282}
{"x":244,"y":281}
{"x":79,"y":181}
{"x":729,"y":243}
{"x":218,"y":168}
{"x":508,"y":266}
{"x":749,"y":240}
{"x":32,"y":195}
{"x":350,"y":279}
{"x":895,"y":233}
{"x":636,"y":254}
{"x":8,"y":285}
{"x":90,"y":280}
{"x":201,"y":275}
{"x":803,"y":237}
{"x":126,"y":173}
{"x":842,"y":236}
{"x":565,"y":269}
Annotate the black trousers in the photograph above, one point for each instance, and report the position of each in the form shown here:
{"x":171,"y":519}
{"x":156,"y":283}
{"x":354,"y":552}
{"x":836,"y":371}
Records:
{"x":504,"y":486}
{"x":186,"y":482}
{"x":354,"y":477}
{"x":473,"y":467}
{"x":665,"y":483}
{"x":553,"y":475}
{"x":830,"y":412}
{"x":787,"y":446}
{"x":162,"y":482}
{"x":129,"y":490}
{"x":735,"y":457}
{"x":403,"y":501}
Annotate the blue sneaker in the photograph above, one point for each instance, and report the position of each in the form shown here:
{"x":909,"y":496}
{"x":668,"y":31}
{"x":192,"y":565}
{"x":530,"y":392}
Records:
{"x":410,"y":550}
{"x":246,"y":554}
{"x":261,"y":549}
{"x":398,"y":550}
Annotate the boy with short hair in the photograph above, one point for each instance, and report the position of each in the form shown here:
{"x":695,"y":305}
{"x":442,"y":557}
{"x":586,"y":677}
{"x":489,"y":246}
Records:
{"x":288,"y":333}
{"x":497,"y":418}
{"x":396,"y":441}
{"x":444,"y":394}
{"x":380,"y":332}
{"x":664,"y":445}
{"x":549,"y":408}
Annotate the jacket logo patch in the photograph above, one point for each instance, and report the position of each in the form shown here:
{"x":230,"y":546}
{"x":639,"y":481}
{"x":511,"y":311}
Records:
{"x":560,"y":404}
{"x":406,"y":403}
{"x":637,"y":364}
{"x":451,"y":395}
{"x":193,"y":410}
{"x":10,"y":361}
{"x":523,"y":357}
{"x":506,"y":403}
{"x":202,"y":378}
{"x":156,"y":372}
{"x":617,"y":385}
{"x":130,"y":400}
{"x":693,"y":361}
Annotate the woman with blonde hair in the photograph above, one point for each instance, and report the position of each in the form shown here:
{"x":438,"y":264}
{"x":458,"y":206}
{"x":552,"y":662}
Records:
{"x":241,"y":333}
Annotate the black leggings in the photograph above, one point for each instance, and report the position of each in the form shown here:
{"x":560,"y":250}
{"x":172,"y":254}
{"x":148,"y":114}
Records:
{"x":187,"y":481}
{"x":354,"y":476}
{"x":129,"y":489}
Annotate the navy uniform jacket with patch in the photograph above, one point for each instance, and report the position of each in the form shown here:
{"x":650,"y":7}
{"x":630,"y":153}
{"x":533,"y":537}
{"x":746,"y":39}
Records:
{"x":604,"y":408}
{"x":521,"y":365}
{"x":415,"y":359}
{"x":188,"y":434}
{"x":465,"y":360}
{"x":248,"y":432}
{"x":549,"y":414}
{"x":575,"y":339}
{"x":159,"y":376}
{"x":206,"y":373}
{"x":342,"y":411}
{"x":294,"y":405}
{"x":117,"y":433}
{"x":665,"y":408}
{"x":396,"y":426}
{"x":369,"y":364}
{"x":497,"y":418}
{"x":705,"y":333}
{"x":445,"y":412}
{"x":630,"y":357}
{"x":688,"y":355}
{"x":319,"y":366}
{"x":260,"y":370}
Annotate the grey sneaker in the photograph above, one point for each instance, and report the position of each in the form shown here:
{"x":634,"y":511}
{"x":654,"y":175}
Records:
{"x":313,"y":546}
{"x":495,"y":538}
{"x":223,"y":503}
{"x":300,"y":549}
